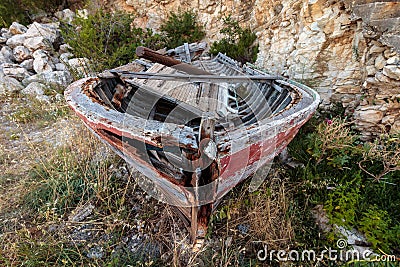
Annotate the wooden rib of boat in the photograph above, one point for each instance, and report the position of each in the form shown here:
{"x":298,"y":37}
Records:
{"x":195,"y":130}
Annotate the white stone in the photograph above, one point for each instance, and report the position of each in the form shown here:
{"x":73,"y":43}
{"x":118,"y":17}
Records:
{"x":15,"y":71}
{"x":34,"y":89}
{"x":17,"y":28}
{"x":6,"y":55}
{"x":42,"y":65}
{"x":66,"y":15}
{"x":65,"y":56}
{"x":55,"y":78}
{"x":21,"y":53}
{"x":393,"y":60}
{"x":55,"y":60}
{"x":38,"y":42}
{"x":380,"y":62}
{"x":285,"y":24}
{"x":41,"y":62}
{"x":48,"y":31}
{"x":379,"y":76}
{"x":392,"y":71}
{"x":3,"y":40}
{"x":40,"y":53}
{"x":37,"y":90}
{"x":60,"y":66}
{"x":27,"y":64}
{"x":9,"y":85}
{"x":314,"y":27}
{"x":16,"y":40}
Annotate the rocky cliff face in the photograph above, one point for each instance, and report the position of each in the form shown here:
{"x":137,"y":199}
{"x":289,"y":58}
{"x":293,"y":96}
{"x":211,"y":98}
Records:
{"x":346,"y":49}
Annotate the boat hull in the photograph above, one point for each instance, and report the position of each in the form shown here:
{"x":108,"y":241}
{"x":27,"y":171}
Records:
{"x":240,"y":151}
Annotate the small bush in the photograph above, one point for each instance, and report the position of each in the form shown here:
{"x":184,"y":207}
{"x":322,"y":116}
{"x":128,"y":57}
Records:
{"x":182,"y":27}
{"x":357,"y":182}
{"x":237,"y":43}
{"x":107,"y":39}
{"x":23,"y":10}
{"x":11,"y":11}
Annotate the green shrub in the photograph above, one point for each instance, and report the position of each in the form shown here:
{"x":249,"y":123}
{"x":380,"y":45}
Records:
{"x":357,"y":182}
{"x":182,"y":27}
{"x":375,"y":223}
{"x":107,"y":39}
{"x":12,"y":11}
{"x":341,"y":205}
{"x":237,"y":43}
{"x":22,"y":10}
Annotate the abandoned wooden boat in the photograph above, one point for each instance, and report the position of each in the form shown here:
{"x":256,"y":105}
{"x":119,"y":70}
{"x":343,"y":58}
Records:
{"x":195,"y":130}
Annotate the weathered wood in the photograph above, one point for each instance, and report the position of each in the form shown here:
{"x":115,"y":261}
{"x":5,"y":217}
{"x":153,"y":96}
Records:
{"x":223,"y":150}
{"x":168,"y":61}
{"x":196,"y":78}
{"x":207,"y":163}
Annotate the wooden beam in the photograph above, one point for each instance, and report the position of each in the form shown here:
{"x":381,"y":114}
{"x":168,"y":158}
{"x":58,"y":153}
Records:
{"x":195,"y":78}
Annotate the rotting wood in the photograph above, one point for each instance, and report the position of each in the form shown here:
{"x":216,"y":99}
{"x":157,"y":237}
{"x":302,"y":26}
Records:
{"x":195,"y":78}
{"x":168,"y":61}
{"x":141,"y":119}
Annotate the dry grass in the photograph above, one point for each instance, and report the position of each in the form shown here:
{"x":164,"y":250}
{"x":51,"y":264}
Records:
{"x":66,"y":200}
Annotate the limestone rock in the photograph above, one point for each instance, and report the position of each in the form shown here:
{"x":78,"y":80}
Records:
{"x":15,"y":71}
{"x":27,"y":64}
{"x":21,"y":53}
{"x":16,"y":40}
{"x":37,"y":42}
{"x":394,"y":60}
{"x":370,"y":115}
{"x":370,"y":70}
{"x":9,"y":85}
{"x":6,"y":55}
{"x":392,"y":71}
{"x":37,"y":90}
{"x":34,"y":89}
{"x":47,"y":31}
{"x":3,"y":40}
{"x":82,"y":13}
{"x":65,"y":56}
{"x":17,"y":28}
{"x":380,"y":62}
{"x":41,"y":62}
{"x":60,"y":66}
{"x":380,"y":77}
{"x":54,"y":78}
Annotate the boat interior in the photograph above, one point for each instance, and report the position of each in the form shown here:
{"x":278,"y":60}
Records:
{"x":245,"y":102}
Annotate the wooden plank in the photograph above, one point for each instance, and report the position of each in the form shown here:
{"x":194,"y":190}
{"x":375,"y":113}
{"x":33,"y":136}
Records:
{"x":196,"y":78}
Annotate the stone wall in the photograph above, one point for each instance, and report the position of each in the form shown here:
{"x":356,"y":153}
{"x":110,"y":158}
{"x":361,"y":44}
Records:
{"x":347,"y":50}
